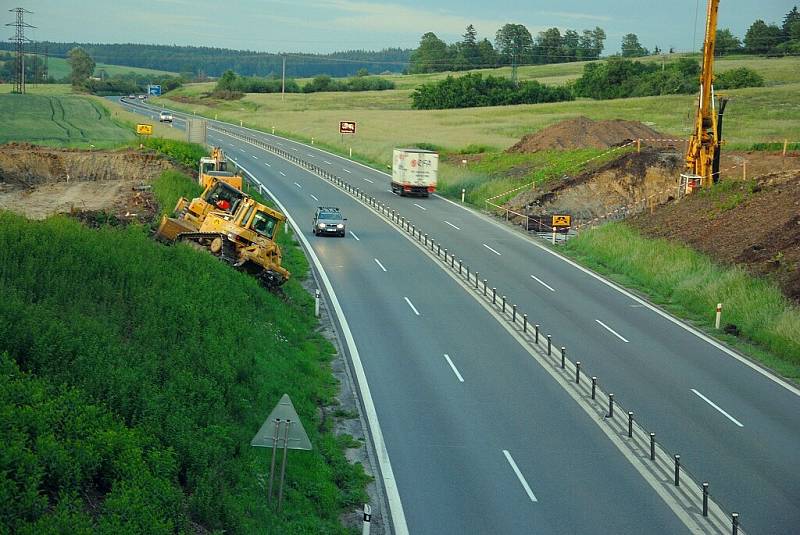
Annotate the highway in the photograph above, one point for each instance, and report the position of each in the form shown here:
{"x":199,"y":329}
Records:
{"x":733,"y":425}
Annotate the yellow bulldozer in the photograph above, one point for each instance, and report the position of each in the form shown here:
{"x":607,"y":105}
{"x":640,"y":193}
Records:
{"x":232,"y":226}
{"x":215,"y":167}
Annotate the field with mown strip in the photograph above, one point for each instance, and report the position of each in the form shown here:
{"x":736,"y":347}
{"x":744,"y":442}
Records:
{"x":59,"y":120}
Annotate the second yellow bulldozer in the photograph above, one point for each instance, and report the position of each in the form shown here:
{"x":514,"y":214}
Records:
{"x":232,"y":226}
{"x":215,"y":167}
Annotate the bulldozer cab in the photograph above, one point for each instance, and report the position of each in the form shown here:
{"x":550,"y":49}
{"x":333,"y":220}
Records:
{"x":259,"y":219}
{"x":222,"y":196}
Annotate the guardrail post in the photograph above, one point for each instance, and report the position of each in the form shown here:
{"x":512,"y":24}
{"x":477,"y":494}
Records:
{"x":652,"y":446}
{"x":426,"y":239}
{"x":537,"y":334}
{"x":467,"y":269}
{"x":494,"y":296}
{"x":677,"y":470}
{"x":578,"y":372}
{"x":524,"y":323}
{"x":504,"y":304}
{"x":438,"y":249}
{"x":610,"y":406}
{"x":484,"y":287}
{"x":476,"y":280}
{"x":459,"y":266}
{"x":705,"y":498}
{"x":594,"y":386}
{"x":549,"y":345}
{"x":563,"y":357}
{"x":735,"y":523}
{"x":630,"y":424}
{"x":445,"y":256}
{"x":513,"y":313}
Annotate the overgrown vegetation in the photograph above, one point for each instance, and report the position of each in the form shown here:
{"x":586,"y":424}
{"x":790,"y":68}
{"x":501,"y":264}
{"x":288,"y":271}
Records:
{"x":135,"y":375}
{"x":232,"y":87}
{"x":738,"y":78}
{"x":473,"y":90}
{"x":680,"y":278}
{"x":187,"y":154}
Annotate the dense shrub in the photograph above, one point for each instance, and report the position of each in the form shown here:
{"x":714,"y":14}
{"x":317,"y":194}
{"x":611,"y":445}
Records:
{"x":473,"y":90}
{"x":187,"y":154}
{"x":738,"y":78}
{"x":622,"y":78}
{"x":325,"y":83}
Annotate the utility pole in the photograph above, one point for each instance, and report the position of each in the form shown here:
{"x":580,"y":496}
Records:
{"x":19,"y":41}
{"x":514,"y":68}
{"x":45,"y":74}
{"x":283,"y":79}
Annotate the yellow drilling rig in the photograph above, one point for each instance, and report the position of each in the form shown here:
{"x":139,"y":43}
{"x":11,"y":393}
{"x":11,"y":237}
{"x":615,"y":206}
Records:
{"x":703,"y":152}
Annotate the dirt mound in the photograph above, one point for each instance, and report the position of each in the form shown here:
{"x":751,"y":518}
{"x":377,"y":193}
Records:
{"x":581,"y":132}
{"x":647,"y":176}
{"x":752,"y":223}
{"x":38,"y":181}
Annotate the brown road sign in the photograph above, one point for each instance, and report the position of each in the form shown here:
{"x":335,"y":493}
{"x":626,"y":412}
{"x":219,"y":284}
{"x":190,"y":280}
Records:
{"x":347,"y":127}
{"x":271,"y":435}
{"x":562,"y":220}
{"x":144,"y":129}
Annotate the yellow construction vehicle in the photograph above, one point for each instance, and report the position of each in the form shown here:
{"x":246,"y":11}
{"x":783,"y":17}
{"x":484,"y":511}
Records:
{"x":703,"y":152}
{"x":233,"y":227}
{"x":216,"y":167}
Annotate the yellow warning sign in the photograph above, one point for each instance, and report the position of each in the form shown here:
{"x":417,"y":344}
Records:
{"x":144,"y":129}
{"x":561,"y":220}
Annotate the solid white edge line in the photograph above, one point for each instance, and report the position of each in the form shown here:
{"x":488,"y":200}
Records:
{"x":411,"y":305}
{"x":728,"y":416}
{"x":389,"y":481}
{"x":492,"y":250}
{"x":612,"y":331}
{"x":453,"y":367}
{"x":353,"y":234}
{"x":421,"y":207}
{"x":520,"y":476}
{"x":530,"y":241}
{"x":540,"y":281}
{"x":379,"y":264}
{"x":452,"y":225}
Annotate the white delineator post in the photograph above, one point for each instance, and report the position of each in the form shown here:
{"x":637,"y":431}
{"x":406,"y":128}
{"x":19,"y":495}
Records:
{"x":554,"y":235}
{"x":367,"y":519}
{"x":351,"y":152}
{"x":316,"y":303}
{"x":719,"y":315}
{"x":463,"y":193}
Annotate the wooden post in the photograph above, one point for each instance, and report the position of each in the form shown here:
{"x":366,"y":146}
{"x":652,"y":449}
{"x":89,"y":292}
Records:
{"x":638,"y":145}
{"x":785,"y":146}
{"x":744,"y":170}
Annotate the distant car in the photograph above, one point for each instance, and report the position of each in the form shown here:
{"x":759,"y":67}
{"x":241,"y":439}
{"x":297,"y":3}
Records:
{"x":165,"y":117}
{"x":132,"y":97}
{"x":328,"y":220}
{"x":142,"y":97}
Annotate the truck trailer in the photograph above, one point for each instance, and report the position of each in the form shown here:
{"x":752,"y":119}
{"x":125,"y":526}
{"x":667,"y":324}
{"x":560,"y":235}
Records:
{"x":414,"y":172}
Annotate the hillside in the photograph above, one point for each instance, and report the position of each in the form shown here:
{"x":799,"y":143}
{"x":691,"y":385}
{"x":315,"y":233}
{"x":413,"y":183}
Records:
{"x":124,"y":407}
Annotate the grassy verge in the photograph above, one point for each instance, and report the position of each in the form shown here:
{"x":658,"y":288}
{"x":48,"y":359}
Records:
{"x":690,"y":285}
{"x":136,"y":375}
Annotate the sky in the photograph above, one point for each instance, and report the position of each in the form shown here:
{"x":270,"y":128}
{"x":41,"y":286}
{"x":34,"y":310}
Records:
{"x":320,"y":26}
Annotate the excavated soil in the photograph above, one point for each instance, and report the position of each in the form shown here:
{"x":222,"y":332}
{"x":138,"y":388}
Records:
{"x":39,"y":181}
{"x":755,"y":223}
{"x":582,"y":132}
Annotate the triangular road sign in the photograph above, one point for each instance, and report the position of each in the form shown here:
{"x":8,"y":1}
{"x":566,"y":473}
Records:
{"x":273,"y":430}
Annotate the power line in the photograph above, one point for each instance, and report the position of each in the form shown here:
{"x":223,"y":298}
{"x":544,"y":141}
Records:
{"x":19,"y":41}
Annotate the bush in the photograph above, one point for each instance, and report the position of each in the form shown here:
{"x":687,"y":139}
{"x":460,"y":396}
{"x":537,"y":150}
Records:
{"x":325,"y":83}
{"x":738,"y":78}
{"x":623,"y":78}
{"x":473,"y":90}
{"x":187,"y":154}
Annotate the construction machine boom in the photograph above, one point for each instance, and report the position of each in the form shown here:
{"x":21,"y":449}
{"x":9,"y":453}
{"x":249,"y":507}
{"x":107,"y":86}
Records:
{"x":703,"y":152}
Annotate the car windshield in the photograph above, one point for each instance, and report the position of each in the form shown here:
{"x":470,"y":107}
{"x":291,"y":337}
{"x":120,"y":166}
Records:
{"x":328,"y":215}
{"x":264,"y":224}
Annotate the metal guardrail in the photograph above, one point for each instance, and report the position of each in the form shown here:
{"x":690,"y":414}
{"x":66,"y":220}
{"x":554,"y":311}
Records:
{"x":691,"y":500}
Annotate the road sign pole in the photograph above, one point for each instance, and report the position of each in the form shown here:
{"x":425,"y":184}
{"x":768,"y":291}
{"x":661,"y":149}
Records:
{"x":283,"y":464}
{"x":272,"y":462}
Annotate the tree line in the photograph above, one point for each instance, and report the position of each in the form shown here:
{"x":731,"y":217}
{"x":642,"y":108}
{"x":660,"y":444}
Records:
{"x":232,"y":86}
{"x":764,"y":39}
{"x":198,"y":61}
{"x":513,"y":45}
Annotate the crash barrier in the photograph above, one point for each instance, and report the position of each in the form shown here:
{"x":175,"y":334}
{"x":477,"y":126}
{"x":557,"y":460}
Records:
{"x":689,"y":496}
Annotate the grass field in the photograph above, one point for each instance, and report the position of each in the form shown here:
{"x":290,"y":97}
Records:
{"x":59,"y":120}
{"x":51,"y":117}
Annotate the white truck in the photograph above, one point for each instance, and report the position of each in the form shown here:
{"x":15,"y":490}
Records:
{"x":414,"y":172}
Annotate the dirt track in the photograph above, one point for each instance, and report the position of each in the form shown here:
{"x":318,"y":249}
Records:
{"x":38,"y":181}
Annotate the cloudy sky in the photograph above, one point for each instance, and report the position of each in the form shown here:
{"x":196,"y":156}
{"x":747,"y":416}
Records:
{"x":331,"y":25}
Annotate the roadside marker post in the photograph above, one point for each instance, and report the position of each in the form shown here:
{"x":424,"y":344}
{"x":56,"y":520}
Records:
{"x":719,"y":316}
